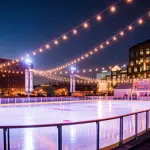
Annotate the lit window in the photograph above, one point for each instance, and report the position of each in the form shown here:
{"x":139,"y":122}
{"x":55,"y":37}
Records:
{"x":130,"y":70}
{"x":141,"y":69}
{"x":141,"y":59}
{"x":137,"y":61}
{"x":135,"y":69}
{"x":131,"y":63}
{"x":147,"y":59}
{"x":147,"y":51}
{"x":141,"y":52}
{"x":147,"y":67}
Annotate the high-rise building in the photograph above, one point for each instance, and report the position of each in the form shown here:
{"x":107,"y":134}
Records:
{"x":139,"y":60}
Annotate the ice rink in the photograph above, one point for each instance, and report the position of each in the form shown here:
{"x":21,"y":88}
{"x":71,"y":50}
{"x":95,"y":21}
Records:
{"x":75,"y":137}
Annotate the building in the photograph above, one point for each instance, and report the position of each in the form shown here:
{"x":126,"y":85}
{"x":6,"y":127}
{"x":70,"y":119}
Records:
{"x":139,"y":60}
{"x":12,"y":80}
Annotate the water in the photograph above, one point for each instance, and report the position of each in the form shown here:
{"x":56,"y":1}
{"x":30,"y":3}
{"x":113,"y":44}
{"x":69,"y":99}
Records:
{"x":75,"y":137}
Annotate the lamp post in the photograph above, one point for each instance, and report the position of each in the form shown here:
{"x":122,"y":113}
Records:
{"x":28,"y":77}
{"x":72,"y":80}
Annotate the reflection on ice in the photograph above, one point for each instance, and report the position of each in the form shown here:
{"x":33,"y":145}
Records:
{"x":75,"y":137}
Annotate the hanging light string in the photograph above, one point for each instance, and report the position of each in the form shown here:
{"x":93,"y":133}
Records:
{"x":52,"y":77}
{"x":102,"y":45}
{"x":91,"y":70}
{"x":63,"y":79}
{"x":65,"y":36}
{"x":87,"y":78}
{"x":11,"y":72}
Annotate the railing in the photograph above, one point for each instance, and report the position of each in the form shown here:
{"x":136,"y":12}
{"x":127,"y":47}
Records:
{"x":32,"y":100}
{"x":6,"y":129}
{"x":15,"y":100}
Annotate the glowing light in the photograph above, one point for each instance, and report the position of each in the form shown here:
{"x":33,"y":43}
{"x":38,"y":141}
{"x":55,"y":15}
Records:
{"x":129,"y":1}
{"x":113,"y":9}
{"x":140,"y":21}
{"x":107,"y":43}
{"x":28,"y":61}
{"x":114,"y":38}
{"x":47,"y":46}
{"x":99,"y":17}
{"x":65,"y":37}
{"x":86,"y":55}
{"x":75,"y":31}
{"x":34,"y":53}
{"x":40,"y":50}
{"x":122,"y":33}
{"x":56,"y":42}
{"x":95,"y":49}
{"x":101,"y":46}
{"x":73,"y":68}
{"x":149,"y":14}
{"x":130,"y":27}
{"x":22,"y":58}
{"x":91,"y":52}
{"x":85,"y":25}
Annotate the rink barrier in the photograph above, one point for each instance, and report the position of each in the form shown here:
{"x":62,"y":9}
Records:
{"x":6,"y":129}
{"x":15,"y":100}
{"x":18,"y":100}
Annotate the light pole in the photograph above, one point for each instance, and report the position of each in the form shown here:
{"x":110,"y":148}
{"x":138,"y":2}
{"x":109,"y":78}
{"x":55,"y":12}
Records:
{"x":28,"y":77}
{"x":72,"y":80}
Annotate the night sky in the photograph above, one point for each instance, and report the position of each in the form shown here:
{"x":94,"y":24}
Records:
{"x":26,"y":25}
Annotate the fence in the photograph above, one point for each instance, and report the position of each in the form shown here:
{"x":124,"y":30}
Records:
{"x":44,"y":99}
{"x":16,"y":100}
{"x":6,"y":129}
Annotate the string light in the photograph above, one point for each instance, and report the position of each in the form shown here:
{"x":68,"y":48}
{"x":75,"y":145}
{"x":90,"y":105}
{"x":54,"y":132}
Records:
{"x":101,"y":46}
{"x":140,"y":21}
{"x":129,"y":1}
{"x":99,"y":18}
{"x":114,"y":38}
{"x":65,"y":37}
{"x":75,"y":30}
{"x":40,"y":50}
{"x":107,"y":43}
{"x":56,"y":42}
{"x":130,"y":27}
{"x":85,"y":25}
{"x":122,"y":33}
{"x":113,"y":9}
{"x":47,"y":46}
